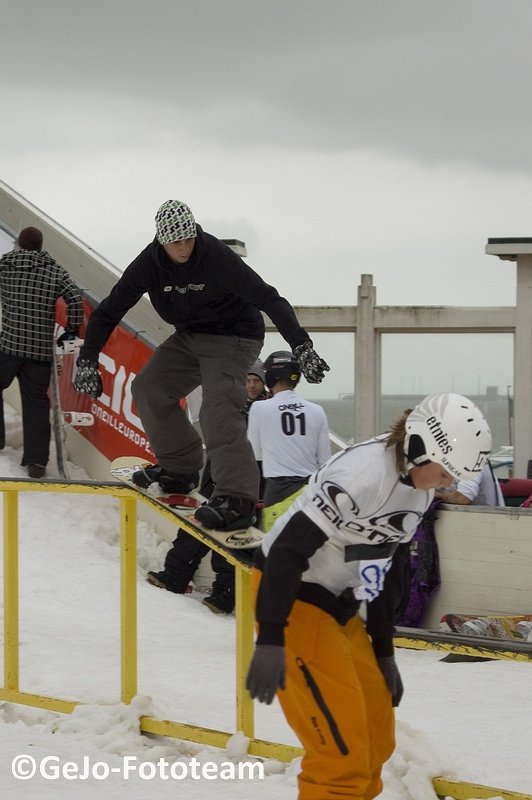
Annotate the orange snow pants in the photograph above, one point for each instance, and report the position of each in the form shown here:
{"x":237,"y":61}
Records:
{"x":337,"y":703}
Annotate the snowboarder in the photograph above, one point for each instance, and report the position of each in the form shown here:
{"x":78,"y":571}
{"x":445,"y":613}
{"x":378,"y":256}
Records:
{"x":198,"y":284}
{"x":329,"y":552}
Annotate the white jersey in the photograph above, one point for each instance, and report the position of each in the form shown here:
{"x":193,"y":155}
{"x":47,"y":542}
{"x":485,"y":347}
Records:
{"x":364,"y":509}
{"x":289,"y":434}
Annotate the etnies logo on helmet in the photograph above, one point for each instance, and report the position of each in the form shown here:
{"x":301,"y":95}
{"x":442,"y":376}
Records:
{"x":439,"y":435}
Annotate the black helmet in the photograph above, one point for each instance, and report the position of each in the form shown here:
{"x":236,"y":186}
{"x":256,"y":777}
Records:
{"x":282,"y":366}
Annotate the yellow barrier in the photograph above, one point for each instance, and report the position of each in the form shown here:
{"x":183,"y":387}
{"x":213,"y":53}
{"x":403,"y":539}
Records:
{"x":128,"y":633}
{"x":128,"y":619}
{"x":468,"y":791}
{"x":475,"y":650}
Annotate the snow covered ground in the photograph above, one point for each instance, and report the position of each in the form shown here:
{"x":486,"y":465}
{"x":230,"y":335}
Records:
{"x":470,"y":721}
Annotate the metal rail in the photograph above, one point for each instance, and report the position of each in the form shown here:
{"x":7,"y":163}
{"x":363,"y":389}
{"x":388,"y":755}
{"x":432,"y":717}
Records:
{"x":476,"y":646}
{"x":128,"y":499}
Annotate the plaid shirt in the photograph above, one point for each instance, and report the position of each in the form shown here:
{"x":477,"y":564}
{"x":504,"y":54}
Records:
{"x":30,"y":284}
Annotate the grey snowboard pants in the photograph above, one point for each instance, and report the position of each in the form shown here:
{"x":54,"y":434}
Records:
{"x":220,"y":365}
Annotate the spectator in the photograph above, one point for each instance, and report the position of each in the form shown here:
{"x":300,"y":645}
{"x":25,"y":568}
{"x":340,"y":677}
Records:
{"x":330,"y":551}
{"x":289,"y":436}
{"x":214,"y":300}
{"x":255,"y":389}
{"x":30,"y":284}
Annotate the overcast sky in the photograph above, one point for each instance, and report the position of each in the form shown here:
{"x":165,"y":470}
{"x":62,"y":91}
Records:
{"x":336,"y":138}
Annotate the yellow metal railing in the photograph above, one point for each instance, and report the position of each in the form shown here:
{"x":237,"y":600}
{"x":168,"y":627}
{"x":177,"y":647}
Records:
{"x":462,"y":648}
{"x":128,"y":633}
{"x":128,"y":499}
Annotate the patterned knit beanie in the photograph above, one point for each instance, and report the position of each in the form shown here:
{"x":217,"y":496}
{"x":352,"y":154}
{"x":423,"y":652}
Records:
{"x":174,"y":221}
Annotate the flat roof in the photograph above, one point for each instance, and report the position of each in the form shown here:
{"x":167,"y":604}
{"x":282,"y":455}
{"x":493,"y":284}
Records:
{"x":509,"y":247}
{"x":507,"y":239}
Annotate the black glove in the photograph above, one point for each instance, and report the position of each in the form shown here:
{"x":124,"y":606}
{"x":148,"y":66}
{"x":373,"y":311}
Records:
{"x":312,"y":366}
{"x":266,"y":672}
{"x":388,"y":667}
{"x":87,"y":378}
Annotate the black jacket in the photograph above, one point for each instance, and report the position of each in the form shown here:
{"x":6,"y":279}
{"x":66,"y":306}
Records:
{"x":214,"y":292}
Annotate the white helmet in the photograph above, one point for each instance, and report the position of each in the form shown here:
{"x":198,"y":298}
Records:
{"x":450,"y":430}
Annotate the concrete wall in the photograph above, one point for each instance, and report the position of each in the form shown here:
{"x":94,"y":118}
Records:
{"x":485,"y":562}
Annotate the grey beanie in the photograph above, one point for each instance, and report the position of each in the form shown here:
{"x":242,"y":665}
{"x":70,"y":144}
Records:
{"x":258,"y":370}
{"x":174,"y":221}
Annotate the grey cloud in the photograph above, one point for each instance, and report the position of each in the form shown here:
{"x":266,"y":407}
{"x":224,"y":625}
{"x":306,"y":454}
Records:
{"x":432,"y":81}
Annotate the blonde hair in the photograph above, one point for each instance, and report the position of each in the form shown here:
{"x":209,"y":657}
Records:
{"x":396,"y":438}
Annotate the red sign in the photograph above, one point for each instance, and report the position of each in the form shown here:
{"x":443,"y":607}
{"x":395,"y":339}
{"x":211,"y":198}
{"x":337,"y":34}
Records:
{"x":117,"y":429}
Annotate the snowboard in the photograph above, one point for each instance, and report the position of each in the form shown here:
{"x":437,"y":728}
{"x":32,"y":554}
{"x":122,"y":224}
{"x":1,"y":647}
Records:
{"x":183,"y":507}
{"x":57,"y":417}
{"x":517,"y":627}
{"x":60,"y":419}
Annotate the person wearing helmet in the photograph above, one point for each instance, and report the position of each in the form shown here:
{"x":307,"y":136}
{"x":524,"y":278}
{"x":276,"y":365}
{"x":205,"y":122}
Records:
{"x":337,"y":680}
{"x":289,"y":436}
{"x":199,"y":285}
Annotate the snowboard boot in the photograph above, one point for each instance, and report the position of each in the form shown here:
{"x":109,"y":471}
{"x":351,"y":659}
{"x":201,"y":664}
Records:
{"x":220,"y":603}
{"x":36,"y":470}
{"x":160,"y":579}
{"x":168,"y":481}
{"x":226,"y":513}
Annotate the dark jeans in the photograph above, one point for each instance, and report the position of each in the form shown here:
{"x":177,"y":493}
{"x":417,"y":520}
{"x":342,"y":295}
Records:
{"x":182,"y":561}
{"x":186,"y":553}
{"x":34,"y":379}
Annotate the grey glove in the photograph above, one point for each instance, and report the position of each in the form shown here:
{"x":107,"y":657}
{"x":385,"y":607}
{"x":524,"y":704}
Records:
{"x":266,"y":672}
{"x":312,"y":366}
{"x":388,"y":667}
{"x":87,"y":378}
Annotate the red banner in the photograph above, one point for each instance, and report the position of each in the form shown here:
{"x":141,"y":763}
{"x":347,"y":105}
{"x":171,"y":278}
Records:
{"x":117,"y":429}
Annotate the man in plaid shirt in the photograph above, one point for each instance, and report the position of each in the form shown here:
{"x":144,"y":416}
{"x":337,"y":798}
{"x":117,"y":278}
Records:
{"x":30,"y":284}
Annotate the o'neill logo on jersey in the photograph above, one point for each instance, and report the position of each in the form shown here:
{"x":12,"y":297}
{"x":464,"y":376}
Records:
{"x":341,"y":510}
{"x":192,"y":287}
{"x":340,"y":506}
